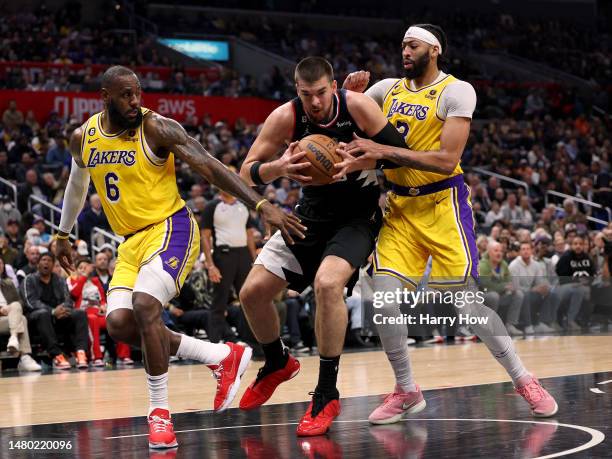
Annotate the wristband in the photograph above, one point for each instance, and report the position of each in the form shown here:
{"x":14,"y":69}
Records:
{"x":259,"y":204}
{"x":257,"y":180}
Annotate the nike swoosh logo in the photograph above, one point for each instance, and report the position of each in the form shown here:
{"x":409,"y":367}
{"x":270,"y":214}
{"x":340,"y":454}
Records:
{"x":396,"y":92}
{"x":405,"y":406}
{"x":438,"y":202}
{"x":91,"y":141}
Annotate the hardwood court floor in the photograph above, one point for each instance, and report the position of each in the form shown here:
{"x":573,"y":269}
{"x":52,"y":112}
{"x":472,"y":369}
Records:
{"x":94,"y":395}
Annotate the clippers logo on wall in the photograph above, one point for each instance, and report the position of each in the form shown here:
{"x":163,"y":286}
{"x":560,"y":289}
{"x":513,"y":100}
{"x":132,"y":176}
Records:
{"x":83,"y":105}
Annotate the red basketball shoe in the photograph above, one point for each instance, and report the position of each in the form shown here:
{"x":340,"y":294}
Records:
{"x":325,"y":411}
{"x":161,"y":431}
{"x":265,"y":384}
{"x":228,"y":374}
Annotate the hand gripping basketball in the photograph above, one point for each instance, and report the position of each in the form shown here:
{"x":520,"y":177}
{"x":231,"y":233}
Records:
{"x":291,"y":164}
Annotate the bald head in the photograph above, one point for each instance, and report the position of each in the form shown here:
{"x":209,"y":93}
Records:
{"x":114,"y":74}
{"x":495,"y":252}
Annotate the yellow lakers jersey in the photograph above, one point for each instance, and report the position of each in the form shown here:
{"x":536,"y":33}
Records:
{"x":137,"y":189}
{"x":414,"y":114}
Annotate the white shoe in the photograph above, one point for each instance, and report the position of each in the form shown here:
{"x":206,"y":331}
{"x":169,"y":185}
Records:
{"x":543,"y":328}
{"x":573,"y":326}
{"x":513,"y":331}
{"x":410,"y":341}
{"x":27,"y":363}
{"x":556,"y":327}
{"x":13,"y":345}
{"x":529,"y":330}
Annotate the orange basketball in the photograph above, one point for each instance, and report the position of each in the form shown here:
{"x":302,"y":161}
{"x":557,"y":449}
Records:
{"x":321,"y":153}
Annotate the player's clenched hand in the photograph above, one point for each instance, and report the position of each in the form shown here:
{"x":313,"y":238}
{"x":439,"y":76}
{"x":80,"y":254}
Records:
{"x":288,"y":224}
{"x":359,"y":154}
{"x":366,"y":148}
{"x":63,"y":252}
{"x":290,"y":164}
{"x":357,"y":81}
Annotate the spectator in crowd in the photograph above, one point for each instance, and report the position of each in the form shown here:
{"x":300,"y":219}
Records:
{"x":482,"y":242}
{"x":229,"y":248}
{"x":8,"y":255}
{"x":495,"y":214}
{"x":12,"y":118}
{"x":92,"y":217}
{"x":502,"y":294}
{"x":89,"y":295}
{"x":59,"y":156}
{"x":7,"y":212}
{"x":196,"y":192}
{"x":33,"y":256}
{"x":39,"y":224}
{"x":354,"y":304}
{"x":13,"y":323}
{"x":295,"y":307}
{"x":14,"y":238}
{"x":574,"y":268}
{"x":189,"y":309}
{"x":31,"y":187}
{"x":7,"y":271}
{"x":511,"y":212}
{"x":526,"y":220}
{"x":51,"y":310}
{"x":539,"y":304}
{"x":101,"y":270}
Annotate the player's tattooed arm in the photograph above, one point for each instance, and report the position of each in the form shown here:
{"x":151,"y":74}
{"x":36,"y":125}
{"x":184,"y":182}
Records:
{"x":165,"y":135}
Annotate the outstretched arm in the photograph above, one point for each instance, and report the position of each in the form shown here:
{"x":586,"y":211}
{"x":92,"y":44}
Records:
{"x":74,"y":199}
{"x":164,"y":134}
{"x":443,"y":161}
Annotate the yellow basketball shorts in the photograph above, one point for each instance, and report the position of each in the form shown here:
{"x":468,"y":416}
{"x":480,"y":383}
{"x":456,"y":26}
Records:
{"x":165,"y":251}
{"x":433,"y":220}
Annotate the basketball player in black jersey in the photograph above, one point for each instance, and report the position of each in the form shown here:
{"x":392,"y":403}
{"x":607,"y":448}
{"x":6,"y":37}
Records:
{"x":342,"y":220}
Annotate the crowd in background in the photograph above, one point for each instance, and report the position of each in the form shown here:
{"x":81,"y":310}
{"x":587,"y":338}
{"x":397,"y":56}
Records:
{"x":57,"y":37}
{"x":542,"y":136}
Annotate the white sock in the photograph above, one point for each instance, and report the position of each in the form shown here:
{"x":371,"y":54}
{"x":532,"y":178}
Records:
{"x":202,"y":351}
{"x":158,"y":392}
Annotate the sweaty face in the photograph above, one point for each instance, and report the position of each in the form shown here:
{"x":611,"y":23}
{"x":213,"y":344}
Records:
{"x":415,"y":57}
{"x":123,"y":102}
{"x":317,"y":98}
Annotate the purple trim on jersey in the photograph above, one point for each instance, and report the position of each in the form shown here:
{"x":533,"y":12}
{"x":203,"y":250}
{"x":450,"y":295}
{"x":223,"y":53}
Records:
{"x":179,"y":246}
{"x":467,"y":223}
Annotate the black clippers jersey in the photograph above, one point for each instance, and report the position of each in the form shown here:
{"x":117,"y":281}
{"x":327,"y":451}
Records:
{"x":357,"y":195}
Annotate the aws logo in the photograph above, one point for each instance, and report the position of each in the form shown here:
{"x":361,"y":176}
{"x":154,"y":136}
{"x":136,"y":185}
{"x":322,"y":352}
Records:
{"x":173,"y":262}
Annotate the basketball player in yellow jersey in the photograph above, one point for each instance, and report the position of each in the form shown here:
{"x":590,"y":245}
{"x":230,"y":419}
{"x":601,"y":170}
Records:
{"x":428,"y":212}
{"x":128,"y":153}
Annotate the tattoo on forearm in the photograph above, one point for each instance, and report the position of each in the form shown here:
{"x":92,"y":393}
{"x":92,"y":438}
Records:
{"x":215,"y":172}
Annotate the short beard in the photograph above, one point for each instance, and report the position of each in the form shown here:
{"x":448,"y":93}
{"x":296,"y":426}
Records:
{"x":117,"y":119}
{"x":418,"y":68}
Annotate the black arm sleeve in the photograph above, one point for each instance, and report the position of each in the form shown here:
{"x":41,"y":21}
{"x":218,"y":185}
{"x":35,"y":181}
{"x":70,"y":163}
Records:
{"x":388,"y":136}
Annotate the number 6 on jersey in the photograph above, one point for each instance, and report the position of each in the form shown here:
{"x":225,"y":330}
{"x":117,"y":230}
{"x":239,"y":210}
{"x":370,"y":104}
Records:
{"x":112,"y":190}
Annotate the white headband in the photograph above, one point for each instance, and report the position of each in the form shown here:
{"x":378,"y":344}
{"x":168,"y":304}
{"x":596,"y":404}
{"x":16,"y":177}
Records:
{"x":422,"y":34}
